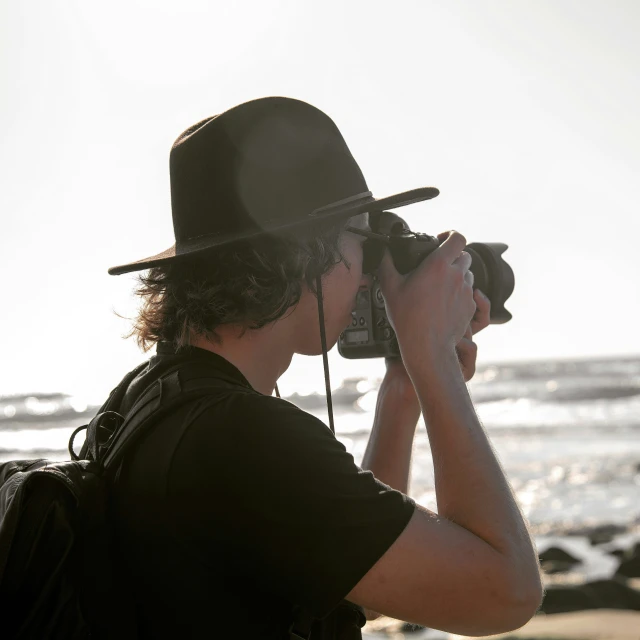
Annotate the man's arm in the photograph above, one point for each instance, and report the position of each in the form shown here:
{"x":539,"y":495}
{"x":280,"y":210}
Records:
{"x":471,"y":487}
{"x":471,"y":568}
{"x":388,"y":453}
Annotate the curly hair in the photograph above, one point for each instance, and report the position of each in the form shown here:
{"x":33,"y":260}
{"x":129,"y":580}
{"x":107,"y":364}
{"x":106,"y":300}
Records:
{"x":249,"y":283}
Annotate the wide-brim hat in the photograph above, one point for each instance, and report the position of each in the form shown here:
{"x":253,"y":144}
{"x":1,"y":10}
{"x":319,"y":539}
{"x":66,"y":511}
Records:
{"x":266,"y":166}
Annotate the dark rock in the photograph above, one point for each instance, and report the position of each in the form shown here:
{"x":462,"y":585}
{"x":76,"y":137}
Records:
{"x":556,"y":560}
{"x":605,"y":533}
{"x":556,"y":567}
{"x":410,"y":627}
{"x":599,"y":594}
{"x":630,"y":565}
{"x":563,"y":599}
{"x":556,"y":554}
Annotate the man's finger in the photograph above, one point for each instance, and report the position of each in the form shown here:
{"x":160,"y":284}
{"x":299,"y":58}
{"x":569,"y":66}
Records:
{"x":482,"y":316}
{"x":452,"y":246}
{"x":467,"y":352}
{"x":468,"y":275}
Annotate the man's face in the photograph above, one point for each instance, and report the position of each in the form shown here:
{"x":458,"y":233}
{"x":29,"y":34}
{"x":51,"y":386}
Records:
{"x":339,"y":290}
{"x":352,"y":279}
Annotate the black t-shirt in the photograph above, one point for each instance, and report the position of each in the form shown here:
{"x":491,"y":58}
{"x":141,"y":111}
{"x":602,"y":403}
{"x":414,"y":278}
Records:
{"x":239,"y":506}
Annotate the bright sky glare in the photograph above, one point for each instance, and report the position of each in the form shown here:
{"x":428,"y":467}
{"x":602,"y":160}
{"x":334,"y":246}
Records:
{"x":524,"y":115}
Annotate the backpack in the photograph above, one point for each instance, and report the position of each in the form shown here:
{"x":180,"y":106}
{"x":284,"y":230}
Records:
{"x":57,"y":578}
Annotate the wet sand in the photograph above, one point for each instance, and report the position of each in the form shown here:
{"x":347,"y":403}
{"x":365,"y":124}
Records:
{"x":598,"y":624}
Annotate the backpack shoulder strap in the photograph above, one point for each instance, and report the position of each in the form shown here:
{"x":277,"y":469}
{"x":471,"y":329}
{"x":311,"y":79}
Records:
{"x":179,"y":385}
{"x":111,"y":404}
{"x":116,"y":396}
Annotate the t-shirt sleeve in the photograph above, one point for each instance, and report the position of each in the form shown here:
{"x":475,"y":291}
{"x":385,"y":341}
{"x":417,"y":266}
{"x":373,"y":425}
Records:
{"x":307,"y":521}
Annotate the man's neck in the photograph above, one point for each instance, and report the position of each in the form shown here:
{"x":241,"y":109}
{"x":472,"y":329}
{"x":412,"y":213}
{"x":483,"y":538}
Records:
{"x":262,"y":356}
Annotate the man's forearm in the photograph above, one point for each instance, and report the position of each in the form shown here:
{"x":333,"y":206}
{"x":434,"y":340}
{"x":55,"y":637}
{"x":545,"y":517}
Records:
{"x":471,"y":488}
{"x":388,"y":453}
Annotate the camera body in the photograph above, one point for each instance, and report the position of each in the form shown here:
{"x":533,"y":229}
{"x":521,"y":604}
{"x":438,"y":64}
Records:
{"x":370,"y":334}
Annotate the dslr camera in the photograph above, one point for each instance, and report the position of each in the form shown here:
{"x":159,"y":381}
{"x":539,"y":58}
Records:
{"x":370,"y":334}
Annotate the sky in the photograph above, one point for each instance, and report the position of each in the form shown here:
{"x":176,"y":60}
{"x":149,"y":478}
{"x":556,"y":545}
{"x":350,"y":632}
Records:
{"x":524,"y":114}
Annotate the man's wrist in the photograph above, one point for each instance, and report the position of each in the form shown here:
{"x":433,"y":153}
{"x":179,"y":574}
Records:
{"x":398,"y":394}
{"x":432,"y":360}
{"x":397,"y":382}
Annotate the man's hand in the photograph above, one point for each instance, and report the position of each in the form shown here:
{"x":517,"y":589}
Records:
{"x":467,"y":349}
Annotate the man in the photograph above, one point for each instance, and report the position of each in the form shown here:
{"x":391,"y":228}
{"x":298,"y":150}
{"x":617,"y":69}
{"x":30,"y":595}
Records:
{"x":240,"y":509}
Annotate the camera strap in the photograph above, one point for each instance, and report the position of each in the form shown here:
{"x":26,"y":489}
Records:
{"x":325,"y":359}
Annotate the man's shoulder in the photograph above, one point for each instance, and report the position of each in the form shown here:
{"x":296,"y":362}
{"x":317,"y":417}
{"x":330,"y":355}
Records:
{"x":244,"y":410}
{"x":249,"y":433}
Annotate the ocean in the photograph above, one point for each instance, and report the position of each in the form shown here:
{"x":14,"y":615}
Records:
{"x":566,"y":432}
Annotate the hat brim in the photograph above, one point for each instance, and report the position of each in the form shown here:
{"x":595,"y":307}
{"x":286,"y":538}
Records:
{"x":203,"y":243}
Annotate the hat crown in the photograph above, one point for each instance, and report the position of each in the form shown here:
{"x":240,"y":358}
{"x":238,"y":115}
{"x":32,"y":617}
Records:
{"x":260,"y":165}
